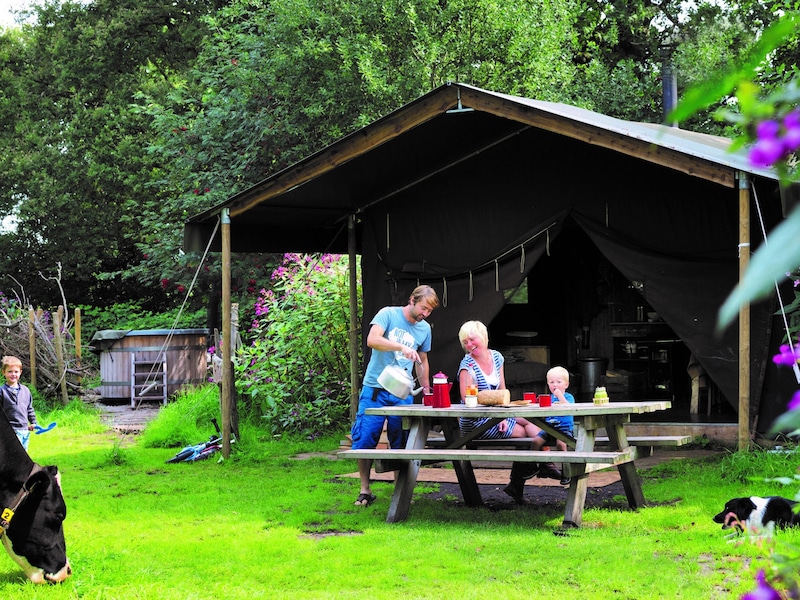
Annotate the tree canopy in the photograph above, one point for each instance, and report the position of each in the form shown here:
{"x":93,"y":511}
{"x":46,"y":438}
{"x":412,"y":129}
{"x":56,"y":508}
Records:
{"x":72,"y":171}
{"x":120,"y":119}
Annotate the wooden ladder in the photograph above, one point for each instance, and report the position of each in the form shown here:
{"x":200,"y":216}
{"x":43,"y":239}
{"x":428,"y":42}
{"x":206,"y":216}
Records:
{"x":148,"y":380}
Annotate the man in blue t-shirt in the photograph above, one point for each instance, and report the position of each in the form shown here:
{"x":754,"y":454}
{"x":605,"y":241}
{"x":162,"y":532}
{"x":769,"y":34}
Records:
{"x":398,"y":335}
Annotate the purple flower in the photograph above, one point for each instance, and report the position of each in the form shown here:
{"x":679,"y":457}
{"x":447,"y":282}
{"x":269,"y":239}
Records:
{"x":787,"y":356}
{"x":768,"y":130}
{"x":766,"y":152}
{"x":792,"y":120}
{"x":763,"y":591}
{"x":774,"y":142}
{"x":791,"y":141}
{"x":794,"y":403}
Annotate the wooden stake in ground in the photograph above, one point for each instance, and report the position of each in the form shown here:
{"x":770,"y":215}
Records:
{"x":77,"y":313}
{"x":32,"y":344}
{"x":59,"y":347}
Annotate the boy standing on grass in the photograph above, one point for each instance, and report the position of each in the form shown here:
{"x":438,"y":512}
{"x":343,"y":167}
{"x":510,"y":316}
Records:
{"x":16,"y":401}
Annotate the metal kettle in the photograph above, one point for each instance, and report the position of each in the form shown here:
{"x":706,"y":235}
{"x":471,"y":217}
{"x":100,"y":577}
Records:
{"x":397,"y":382}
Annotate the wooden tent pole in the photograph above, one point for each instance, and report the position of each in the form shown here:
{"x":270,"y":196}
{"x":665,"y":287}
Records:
{"x":354,"y":337}
{"x":32,"y":344}
{"x":227,"y":339}
{"x":744,"y":314}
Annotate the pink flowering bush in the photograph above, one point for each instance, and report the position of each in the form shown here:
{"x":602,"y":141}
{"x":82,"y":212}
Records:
{"x":294,"y":367}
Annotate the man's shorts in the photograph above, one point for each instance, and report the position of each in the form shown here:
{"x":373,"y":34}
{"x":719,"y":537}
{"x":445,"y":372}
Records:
{"x":367,"y":429}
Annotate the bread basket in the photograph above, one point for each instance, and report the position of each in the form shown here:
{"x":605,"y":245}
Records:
{"x":494,"y":397}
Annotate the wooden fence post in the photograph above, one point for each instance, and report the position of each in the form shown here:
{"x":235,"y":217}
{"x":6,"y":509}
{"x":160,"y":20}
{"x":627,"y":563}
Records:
{"x":32,"y":344}
{"x":77,"y":313}
{"x":59,"y":346}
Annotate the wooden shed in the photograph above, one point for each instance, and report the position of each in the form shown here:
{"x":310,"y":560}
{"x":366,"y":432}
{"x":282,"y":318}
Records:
{"x":150,"y":364}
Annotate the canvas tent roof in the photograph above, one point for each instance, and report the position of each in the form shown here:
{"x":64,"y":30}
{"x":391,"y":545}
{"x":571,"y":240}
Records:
{"x":304,"y":206}
{"x":659,"y":202}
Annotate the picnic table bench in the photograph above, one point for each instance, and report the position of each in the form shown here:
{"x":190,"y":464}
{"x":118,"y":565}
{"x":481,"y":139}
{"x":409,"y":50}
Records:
{"x":645,"y":443}
{"x":393,"y":459}
{"x":459,"y":449}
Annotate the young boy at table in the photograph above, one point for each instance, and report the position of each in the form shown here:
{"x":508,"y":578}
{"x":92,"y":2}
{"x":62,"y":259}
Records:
{"x":557,"y":382}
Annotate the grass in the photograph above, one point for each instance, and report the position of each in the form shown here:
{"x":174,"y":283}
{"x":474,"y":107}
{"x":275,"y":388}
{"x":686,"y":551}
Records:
{"x":267,"y":524}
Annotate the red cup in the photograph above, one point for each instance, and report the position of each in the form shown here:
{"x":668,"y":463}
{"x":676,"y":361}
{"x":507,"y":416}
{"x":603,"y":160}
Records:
{"x":529,"y":396}
{"x":427,"y":400}
{"x":545,"y":400}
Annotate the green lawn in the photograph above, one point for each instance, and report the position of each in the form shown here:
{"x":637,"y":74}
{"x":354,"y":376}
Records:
{"x":266,"y":524}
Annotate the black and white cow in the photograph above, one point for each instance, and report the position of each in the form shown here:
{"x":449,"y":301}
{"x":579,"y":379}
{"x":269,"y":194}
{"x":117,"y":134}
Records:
{"x":32,"y":511}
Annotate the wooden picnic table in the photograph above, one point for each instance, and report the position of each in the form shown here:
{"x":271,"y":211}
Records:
{"x":582,"y":458}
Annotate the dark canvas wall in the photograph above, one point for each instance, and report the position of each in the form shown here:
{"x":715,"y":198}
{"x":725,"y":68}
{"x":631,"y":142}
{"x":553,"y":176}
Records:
{"x":479,"y":228}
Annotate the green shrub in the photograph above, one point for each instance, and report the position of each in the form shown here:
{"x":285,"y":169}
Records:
{"x":130,"y":315}
{"x":116,"y":455}
{"x":759,"y":464}
{"x":76,"y":415}
{"x":186,"y":420}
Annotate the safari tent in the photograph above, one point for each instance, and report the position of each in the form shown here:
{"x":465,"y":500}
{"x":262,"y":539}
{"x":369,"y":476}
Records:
{"x":476,"y":193}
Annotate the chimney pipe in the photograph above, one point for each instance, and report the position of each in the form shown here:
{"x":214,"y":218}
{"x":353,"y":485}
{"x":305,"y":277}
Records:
{"x":669,"y":84}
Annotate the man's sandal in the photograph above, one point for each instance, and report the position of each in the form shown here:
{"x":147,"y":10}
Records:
{"x":365,"y":499}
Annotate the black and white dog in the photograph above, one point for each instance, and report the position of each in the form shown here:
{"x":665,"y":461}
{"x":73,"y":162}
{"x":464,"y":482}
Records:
{"x":758,"y":515}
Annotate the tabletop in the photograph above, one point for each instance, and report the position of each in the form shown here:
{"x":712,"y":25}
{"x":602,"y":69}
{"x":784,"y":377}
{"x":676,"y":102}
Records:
{"x":578,"y":409}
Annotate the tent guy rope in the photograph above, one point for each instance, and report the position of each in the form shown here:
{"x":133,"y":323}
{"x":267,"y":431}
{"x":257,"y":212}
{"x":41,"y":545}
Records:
{"x":162,"y":353}
{"x":795,"y":366}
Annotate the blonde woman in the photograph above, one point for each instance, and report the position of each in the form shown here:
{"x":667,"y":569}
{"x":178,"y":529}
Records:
{"x":483,"y":367}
